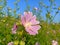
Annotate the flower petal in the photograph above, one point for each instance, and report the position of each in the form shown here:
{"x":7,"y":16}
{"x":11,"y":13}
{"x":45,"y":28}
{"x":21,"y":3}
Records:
{"x":34,"y":22}
{"x":10,"y":43}
{"x":23,"y":20}
{"x":13,"y":32}
{"x":14,"y":29}
{"x":30,"y":31}
{"x":36,"y":27}
{"x":34,"y":17}
{"x":28,"y":16}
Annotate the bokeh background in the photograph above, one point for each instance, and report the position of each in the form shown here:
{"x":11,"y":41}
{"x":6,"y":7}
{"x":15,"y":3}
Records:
{"x":47,"y":12}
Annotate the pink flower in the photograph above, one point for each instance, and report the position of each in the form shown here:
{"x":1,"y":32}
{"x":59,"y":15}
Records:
{"x":37,"y":43}
{"x":30,"y":23}
{"x":10,"y":43}
{"x":14,"y":29}
{"x":54,"y":42}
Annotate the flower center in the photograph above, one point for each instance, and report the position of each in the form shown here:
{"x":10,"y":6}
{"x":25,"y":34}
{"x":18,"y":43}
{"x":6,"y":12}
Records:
{"x":27,"y":24}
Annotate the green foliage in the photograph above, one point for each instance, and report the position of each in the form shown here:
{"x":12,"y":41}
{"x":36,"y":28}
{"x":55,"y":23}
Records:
{"x":49,"y":31}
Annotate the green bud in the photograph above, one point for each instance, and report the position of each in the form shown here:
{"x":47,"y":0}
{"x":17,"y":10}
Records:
{"x":48,"y":15}
{"x":16,"y":42}
{"x":1,"y":7}
{"x":22,"y":42}
{"x":59,"y":8}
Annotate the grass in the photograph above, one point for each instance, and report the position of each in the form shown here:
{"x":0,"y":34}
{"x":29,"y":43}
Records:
{"x":47,"y":33}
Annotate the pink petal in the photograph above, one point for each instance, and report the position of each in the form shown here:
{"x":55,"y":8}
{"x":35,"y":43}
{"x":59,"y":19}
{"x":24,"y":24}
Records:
{"x":14,"y":29}
{"x":37,"y":43}
{"x":23,"y":20}
{"x":10,"y":43}
{"x":13,"y":32}
{"x":34,"y":22}
{"x":33,"y":17}
{"x":30,"y":31}
{"x":28,"y":16}
{"x":36,"y":27}
{"x":28,"y":13}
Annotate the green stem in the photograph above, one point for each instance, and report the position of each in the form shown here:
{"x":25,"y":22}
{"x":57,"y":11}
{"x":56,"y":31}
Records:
{"x":53,"y":18}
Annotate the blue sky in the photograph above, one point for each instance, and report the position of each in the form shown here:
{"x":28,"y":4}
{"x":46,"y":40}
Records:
{"x":34,"y":3}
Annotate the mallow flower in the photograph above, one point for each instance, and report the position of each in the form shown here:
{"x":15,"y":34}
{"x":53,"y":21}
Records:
{"x":14,"y":29}
{"x":30,"y":23}
{"x":10,"y":43}
{"x":37,"y":43}
{"x":54,"y":42}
